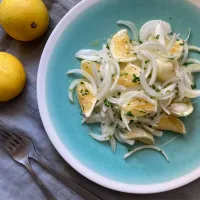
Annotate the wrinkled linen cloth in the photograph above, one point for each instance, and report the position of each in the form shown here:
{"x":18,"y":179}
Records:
{"x":22,"y":115}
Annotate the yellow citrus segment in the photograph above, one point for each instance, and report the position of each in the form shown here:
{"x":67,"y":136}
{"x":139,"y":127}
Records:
{"x":177,"y":48}
{"x":129,"y":76}
{"x":138,"y":107}
{"x":87,"y":66}
{"x":139,"y":134}
{"x":171,"y":123}
{"x":85,"y":97}
{"x":121,"y":47}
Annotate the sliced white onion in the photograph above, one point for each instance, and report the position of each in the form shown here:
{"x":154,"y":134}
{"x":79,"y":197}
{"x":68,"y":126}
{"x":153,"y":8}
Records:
{"x":185,"y":55}
{"x":113,"y":144}
{"x":132,"y":28}
{"x":94,"y":118}
{"x":147,"y":147}
{"x":193,"y":68}
{"x":153,"y":45}
{"x":117,"y":74}
{"x":159,"y":31}
{"x":164,"y":108}
{"x":191,"y":60}
{"x":194,"y":48}
{"x":172,"y":42}
{"x":189,"y":32}
{"x":149,"y":28}
{"x":96,"y":75}
{"x":110,"y":113}
{"x":80,"y":71}
{"x":154,"y":65}
{"x":119,"y":122}
{"x":106,"y":84}
{"x":101,"y":138}
{"x":153,"y":131}
{"x":71,"y":88}
{"x":88,"y":54}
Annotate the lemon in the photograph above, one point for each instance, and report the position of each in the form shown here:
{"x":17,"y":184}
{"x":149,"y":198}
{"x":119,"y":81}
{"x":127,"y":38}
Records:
{"x":121,"y":47}
{"x":129,"y":76}
{"x":139,"y":134}
{"x":12,"y":76}
{"x":86,"y":99}
{"x":138,"y":107}
{"x":171,"y":123}
{"x":24,"y":20}
{"x":87,"y":66}
{"x":165,"y":70}
{"x":177,"y":48}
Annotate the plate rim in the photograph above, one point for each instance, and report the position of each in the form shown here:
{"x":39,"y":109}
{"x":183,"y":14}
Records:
{"x":56,"y":141}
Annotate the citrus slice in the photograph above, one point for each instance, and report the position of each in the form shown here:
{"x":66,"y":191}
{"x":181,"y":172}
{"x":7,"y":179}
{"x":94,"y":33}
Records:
{"x":177,"y":48}
{"x":165,"y":70}
{"x":171,"y":123}
{"x":138,"y":107}
{"x":139,"y":134}
{"x":87,"y":66}
{"x":181,"y":109}
{"x":86,"y":99}
{"x":121,"y":47}
{"x":129,"y":76}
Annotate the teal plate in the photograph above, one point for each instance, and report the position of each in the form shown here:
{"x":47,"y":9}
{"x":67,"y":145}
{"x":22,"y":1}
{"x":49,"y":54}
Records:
{"x":146,"y":171}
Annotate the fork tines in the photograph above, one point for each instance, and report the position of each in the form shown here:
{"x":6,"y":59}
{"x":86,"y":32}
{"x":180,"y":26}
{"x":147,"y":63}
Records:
{"x":9,"y":139}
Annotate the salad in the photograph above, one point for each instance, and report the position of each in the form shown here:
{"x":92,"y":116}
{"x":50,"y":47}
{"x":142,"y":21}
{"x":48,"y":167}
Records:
{"x":136,"y":87}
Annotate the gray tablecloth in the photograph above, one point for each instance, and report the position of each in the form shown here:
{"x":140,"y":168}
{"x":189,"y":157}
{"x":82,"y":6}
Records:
{"x":21,"y":114}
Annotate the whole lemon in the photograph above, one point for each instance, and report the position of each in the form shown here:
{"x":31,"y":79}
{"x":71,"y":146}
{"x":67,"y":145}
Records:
{"x":12,"y":76}
{"x":24,"y":20}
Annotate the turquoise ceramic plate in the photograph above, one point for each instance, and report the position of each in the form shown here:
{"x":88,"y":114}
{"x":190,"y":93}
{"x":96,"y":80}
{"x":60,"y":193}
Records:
{"x":146,"y":171}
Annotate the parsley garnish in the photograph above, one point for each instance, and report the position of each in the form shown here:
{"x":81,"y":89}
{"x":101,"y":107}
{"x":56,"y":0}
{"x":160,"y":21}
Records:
{"x":107,"y":46}
{"x":124,"y":74}
{"x":157,"y":36}
{"x":129,"y":113}
{"x":106,"y":103}
{"x":136,"y":79}
{"x":82,"y":82}
{"x":194,"y":86}
{"x":119,"y":93}
{"x":147,"y":61}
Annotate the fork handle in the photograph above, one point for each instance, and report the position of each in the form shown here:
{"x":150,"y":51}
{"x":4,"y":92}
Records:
{"x":66,"y":180}
{"x":45,"y":190}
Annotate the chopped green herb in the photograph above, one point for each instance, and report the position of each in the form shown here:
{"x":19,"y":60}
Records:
{"x":107,"y":46}
{"x":124,"y":74}
{"x":140,"y":42}
{"x":129,"y":113}
{"x":130,"y":40}
{"x":157,"y":36}
{"x":129,"y":149}
{"x":142,"y":111}
{"x":168,"y":91}
{"x":119,"y":93}
{"x":135,"y":54}
{"x":147,"y":61}
{"x":157,"y":90}
{"x":136,"y":79}
{"x":70,"y":90}
{"x":82,"y":82}
{"x":106,"y":103}
{"x":193,"y":86}
{"x":113,"y":75}
{"x":189,"y":63}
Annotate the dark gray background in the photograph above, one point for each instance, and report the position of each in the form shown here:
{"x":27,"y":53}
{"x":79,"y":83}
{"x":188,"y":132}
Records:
{"x":21,"y":114}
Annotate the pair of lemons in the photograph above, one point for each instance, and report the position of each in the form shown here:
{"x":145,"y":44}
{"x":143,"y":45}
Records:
{"x":25,"y":21}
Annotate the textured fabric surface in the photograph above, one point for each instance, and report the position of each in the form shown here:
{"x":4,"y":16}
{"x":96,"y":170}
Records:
{"x":21,"y":114}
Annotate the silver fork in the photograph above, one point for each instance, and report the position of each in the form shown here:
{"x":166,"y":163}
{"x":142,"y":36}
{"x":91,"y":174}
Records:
{"x":21,"y":149}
